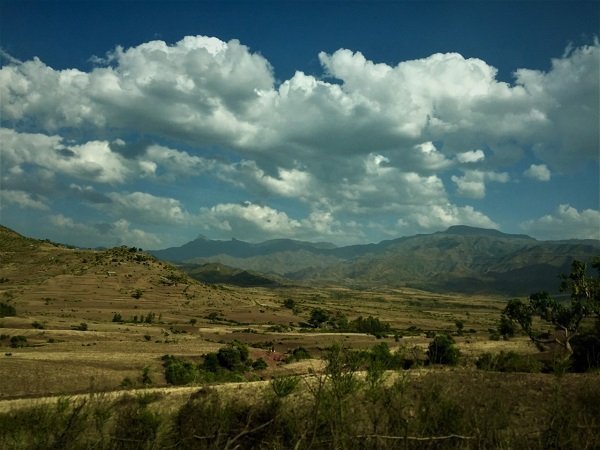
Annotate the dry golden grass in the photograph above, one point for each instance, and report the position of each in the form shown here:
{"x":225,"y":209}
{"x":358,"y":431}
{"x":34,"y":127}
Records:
{"x":59,"y":289}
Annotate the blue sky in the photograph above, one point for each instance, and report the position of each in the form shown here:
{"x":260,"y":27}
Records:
{"x":149,"y":123}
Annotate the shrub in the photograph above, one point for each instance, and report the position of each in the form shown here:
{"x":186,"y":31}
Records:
{"x":506,"y":327}
{"x":146,"y":377}
{"x":586,"y":352}
{"x":127,"y":383}
{"x":136,"y":426}
{"x":117,"y":317}
{"x":289,"y":303}
{"x":179,"y":371}
{"x":233,"y":357}
{"x":318,"y":317}
{"x":214,"y":316}
{"x":150,"y":317}
{"x":439,"y":412}
{"x":298,"y":354}
{"x":259,"y":364}
{"x":18,"y":341}
{"x":211,"y":362}
{"x":460,"y":325}
{"x":371,"y":325}
{"x":380,"y":356}
{"x":508,"y":362}
{"x":442,"y":350}
{"x":7,"y":310}
{"x":37,"y":325}
{"x":284,"y":386}
{"x":64,"y":424}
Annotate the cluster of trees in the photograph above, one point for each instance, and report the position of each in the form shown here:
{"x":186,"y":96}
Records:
{"x":148,"y":318}
{"x":320,"y":318}
{"x":229,"y":363}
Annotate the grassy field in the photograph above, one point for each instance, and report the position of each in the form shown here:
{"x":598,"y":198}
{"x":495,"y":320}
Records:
{"x":66,"y":301}
{"x":96,"y":324}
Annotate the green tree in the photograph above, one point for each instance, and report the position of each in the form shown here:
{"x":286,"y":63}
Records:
{"x":233,"y":357}
{"x":7,"y":310}
{"x":506,"y":327}
{"x":460,"y":325}
{"x":442,"y":350}
{"x":179,"y":371}
{"x":318,"y":317}
{"x":565,"y":316}
{"x":289,"y":303}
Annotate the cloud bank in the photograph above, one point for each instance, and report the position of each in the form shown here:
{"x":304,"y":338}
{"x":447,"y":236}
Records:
{"x":397,"y":148}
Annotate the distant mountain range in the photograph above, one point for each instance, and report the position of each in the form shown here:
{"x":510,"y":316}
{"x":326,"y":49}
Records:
{"x":460,"y":259}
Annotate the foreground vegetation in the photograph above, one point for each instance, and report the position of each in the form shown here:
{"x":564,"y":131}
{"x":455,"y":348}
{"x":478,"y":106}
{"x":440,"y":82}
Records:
{"x":342,"y":408}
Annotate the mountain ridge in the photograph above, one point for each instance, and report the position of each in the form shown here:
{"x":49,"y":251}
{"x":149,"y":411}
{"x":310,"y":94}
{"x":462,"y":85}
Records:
{"x":461,"y":258}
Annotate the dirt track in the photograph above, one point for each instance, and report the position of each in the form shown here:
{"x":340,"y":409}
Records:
{"x":172,"y":392}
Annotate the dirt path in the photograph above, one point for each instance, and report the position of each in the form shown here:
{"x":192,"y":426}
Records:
{"x":172,"y":392}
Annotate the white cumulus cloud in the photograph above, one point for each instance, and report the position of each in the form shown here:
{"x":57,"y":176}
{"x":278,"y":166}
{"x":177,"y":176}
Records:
{"x":22,"y":199}
{"x":472,"y":183}
{"x":566,"y":221}
{"x":111,"y":234}
{"x":142,"y":207}
{"x":439,"y":217}
{"x":472,"y":156}
{"x":364,"y":140}
{"x":92,"y":160}
{"x":538,"y":172}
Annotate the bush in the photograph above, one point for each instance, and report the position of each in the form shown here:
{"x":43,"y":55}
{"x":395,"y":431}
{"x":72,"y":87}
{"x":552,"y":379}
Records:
{"x":135,"y":425}
{"x":117,"y":317}
{"x":318,"y":317}
{"x":259,"y":364}
{"x":381,"y":356}
{"x":442,"y":350}
{"x":506,"y":327}
{"x":508,"y":362}
{"x":150,"y":317}
{"x":7,"y":310}
{"x":18,"y":341}
{"x":211,"y":362}
{"x":233,"y":357}
{"x":146,"y":378}
{"x":298,"y":354}
{"x":586,"y":352}
{"x":289,"y":303}
{"x":179,"y":371}
{"x":371,"y":325}
{"x":60,"y":425}
{"x":284,"y":386}
{"x":81,"y":327}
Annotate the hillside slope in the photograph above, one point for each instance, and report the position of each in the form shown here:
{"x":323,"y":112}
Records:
{"x":460,"y":259}
{"x":468,"y":263}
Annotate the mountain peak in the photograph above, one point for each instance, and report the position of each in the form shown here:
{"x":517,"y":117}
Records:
{"x":465,"y":230}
